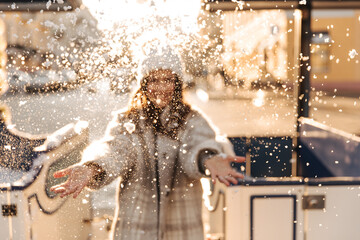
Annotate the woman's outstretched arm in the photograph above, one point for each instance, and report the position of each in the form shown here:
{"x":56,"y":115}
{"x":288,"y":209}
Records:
{"x":202,"y":149}
{"x":103,"y":161}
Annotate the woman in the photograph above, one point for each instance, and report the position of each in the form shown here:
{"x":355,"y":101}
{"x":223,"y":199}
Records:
{"x":160,"y":148}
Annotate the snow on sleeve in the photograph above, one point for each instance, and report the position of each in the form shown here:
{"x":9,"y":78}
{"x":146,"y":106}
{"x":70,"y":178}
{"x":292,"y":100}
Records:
{"x":198,"y":136}
{"x":114,"y":153}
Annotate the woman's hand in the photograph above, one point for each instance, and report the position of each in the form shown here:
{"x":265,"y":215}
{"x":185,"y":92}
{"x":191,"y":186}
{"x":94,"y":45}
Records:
{"x":219,"y":167}
{"x":78,"y":177}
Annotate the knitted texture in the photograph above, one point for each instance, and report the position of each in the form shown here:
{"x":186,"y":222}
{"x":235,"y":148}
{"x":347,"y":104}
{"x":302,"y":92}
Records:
{"x":161,"y":57}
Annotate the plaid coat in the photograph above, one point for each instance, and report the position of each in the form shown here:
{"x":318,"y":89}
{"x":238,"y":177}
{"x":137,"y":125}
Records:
{"x":160,"y":195}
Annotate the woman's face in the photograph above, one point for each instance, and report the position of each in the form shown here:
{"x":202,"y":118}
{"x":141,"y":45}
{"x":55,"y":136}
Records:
{"x":160,"y":87}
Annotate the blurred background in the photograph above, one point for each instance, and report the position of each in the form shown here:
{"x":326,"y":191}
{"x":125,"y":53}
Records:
{"x":64,"y":61}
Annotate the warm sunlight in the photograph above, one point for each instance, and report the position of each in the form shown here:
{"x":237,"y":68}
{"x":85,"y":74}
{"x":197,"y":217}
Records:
{"x":110,"y":12}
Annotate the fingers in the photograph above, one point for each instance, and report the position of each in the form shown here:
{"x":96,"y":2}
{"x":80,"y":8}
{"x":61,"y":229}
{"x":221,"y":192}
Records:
{"x":224,"y":180}
{"x":68,"y":191}
{"x":64,"y":188}
{"x":231,"y":179}
{"x":62,"y":173}
{"x":221,"y":169}
{"x":57,"y":189}
{"x":76,"y":181}
{"x":78,"y":191}
{"x":236,"y":174}
{"x":236,"y":159}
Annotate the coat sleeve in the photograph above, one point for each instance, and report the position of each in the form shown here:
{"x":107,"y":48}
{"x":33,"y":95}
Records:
{"x":198,"y":137}
{"x":114,"y":154}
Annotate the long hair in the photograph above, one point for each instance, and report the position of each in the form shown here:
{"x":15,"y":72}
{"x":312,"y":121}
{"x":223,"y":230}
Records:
{"x":178,"y":108}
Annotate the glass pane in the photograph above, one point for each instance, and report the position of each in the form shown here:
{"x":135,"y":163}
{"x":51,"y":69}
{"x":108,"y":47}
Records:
{"x":249,"y":89}
{"x":335,"y":76}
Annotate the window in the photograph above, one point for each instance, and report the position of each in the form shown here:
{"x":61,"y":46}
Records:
{"x":320,"y":52}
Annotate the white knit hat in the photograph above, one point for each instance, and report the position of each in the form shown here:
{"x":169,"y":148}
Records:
{"x":161,"y":57}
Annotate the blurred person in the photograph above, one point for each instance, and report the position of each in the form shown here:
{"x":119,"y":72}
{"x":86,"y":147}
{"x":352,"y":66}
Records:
{"x":160,"y":147}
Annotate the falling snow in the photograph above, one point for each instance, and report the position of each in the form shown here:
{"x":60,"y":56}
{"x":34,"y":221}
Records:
{"x":241,"y":70}
{"x":353,"y":53}
{"x":130,"y":127}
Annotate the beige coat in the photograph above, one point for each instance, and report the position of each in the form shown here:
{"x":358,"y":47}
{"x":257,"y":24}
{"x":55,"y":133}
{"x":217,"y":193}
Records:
{"x":147,"y":210}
